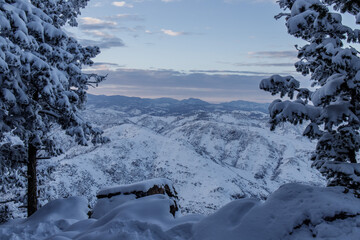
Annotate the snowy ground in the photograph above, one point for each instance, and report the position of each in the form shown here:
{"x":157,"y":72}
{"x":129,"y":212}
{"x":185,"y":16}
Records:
{"x":294,"y":211}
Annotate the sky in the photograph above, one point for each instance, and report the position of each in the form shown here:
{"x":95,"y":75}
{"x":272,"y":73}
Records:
{"x":215,"y":50}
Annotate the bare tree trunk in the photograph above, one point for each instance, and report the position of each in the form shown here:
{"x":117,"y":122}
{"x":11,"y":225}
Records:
{"x":32,"y":181}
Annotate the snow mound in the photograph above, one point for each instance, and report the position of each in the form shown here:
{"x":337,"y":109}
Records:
{"x":294,"y":211}
{"x":69,"y":208}
{"x":51,"y":219}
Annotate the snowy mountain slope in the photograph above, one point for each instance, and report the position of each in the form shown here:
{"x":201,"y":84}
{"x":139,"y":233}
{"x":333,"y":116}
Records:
{"x":212,"y":157}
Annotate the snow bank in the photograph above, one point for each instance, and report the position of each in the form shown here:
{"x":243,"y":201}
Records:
{"x":220,"y":225}
{"x":294,"y":211}
{"x":68,"y":208}
{"x":294,"y":208}
{"x":51,"y":219}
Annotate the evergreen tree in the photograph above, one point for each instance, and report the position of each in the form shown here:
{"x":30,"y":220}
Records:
{"x":41,"y":79}
{"x":332,"y":108}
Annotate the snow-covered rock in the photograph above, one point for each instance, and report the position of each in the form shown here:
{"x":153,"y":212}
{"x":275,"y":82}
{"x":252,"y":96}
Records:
{"x":110,"y":198}
{"x":139,"y":188}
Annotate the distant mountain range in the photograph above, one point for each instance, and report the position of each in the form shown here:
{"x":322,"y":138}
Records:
{"x":162,"y":106}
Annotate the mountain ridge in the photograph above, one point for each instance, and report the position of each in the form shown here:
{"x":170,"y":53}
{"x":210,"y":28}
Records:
{"x":170,"y":105}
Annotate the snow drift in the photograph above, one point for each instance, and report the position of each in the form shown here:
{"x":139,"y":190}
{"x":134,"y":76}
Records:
{"x":294,"y":211}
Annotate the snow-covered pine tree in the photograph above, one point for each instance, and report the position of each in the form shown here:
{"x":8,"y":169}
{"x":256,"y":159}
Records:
{"x":332,"y":108}
{"x":41,"y":79}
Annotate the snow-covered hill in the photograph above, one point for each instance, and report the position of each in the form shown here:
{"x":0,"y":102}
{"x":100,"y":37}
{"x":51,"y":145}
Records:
{"x":212,"y":156}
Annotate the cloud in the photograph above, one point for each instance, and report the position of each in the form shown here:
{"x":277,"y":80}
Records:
{"x":102,"y":32}
{"x":274,"y":54}
{"x":172,"y":33}
{"x":166,"y":1}
{"x":103,"y":39}
{"x":108,"y":64}
{"x":104,"y":66}
{"x":96,"y":23}
{"x":122,"y":4}
{"x":215,"y":87}
{"x":167,"y":32}
{"x":259,"y":64}
{"x":262,"y":64}
{"x":128,"y":17}
{"x":90,"y":23}
{"x":98,"y":4}
{"x":279,"y":59}
{"x":98,"y":33}
{"x":104,"y":43}
{"x":231,"y":72}
{"x":254,"y":1}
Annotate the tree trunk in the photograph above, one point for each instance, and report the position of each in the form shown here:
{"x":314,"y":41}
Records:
{"x":32,"y":181}
{"x":352,"y":156}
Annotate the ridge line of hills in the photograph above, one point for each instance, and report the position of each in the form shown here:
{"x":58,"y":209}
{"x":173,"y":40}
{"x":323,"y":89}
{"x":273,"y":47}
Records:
{"x":170,"y":105}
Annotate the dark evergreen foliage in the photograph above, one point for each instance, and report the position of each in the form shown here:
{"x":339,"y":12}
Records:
{"x":41,"y":82}
{"x":332,"y":108}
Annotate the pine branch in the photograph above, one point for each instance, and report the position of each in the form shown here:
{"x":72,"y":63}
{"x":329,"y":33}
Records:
{"x":49,"y":113}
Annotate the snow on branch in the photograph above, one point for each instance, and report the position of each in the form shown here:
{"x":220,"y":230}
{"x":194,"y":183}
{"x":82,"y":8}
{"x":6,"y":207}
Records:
{"x":291,"y":111}
{"x":283,"y":85}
